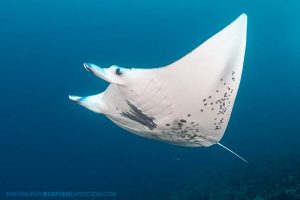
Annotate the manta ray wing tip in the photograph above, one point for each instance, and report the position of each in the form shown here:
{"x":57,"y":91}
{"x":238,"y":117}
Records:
{"x":243,"y":15}
{"x":243,"y":18}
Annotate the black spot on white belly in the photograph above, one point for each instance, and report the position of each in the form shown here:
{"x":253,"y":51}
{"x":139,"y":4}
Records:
{"x":137,"y":115}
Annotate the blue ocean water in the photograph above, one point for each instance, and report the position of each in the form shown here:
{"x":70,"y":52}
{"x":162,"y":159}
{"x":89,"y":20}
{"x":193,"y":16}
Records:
{"x":48,"y":143}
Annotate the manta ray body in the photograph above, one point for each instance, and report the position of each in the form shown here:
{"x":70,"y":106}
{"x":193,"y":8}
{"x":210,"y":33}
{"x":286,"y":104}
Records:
{"x":187,"y":103}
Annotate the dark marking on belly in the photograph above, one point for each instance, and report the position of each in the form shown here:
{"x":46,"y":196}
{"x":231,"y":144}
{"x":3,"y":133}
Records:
{"x":137,"y":115}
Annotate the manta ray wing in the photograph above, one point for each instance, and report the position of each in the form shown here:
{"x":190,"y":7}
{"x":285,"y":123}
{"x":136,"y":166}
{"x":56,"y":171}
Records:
{"x":202,"y":86}
{"x":195,"y":93}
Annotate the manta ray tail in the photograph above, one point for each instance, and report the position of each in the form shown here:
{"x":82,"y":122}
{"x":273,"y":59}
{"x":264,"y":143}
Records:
{"x":233,"y":152}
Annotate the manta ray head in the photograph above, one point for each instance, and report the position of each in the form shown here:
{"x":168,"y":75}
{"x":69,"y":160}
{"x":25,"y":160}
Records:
{"x":113,"y":74}
{"x":118,"y":101}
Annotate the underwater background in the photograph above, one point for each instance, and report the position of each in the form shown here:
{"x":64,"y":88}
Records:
{"x":48,"y":143}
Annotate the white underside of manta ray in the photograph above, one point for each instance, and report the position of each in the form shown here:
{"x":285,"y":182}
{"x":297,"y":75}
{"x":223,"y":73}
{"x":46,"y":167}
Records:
{"x":187,"y":103}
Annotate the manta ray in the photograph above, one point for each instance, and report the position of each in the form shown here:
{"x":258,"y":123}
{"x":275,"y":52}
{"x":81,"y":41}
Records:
{"x":187,"y":102}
